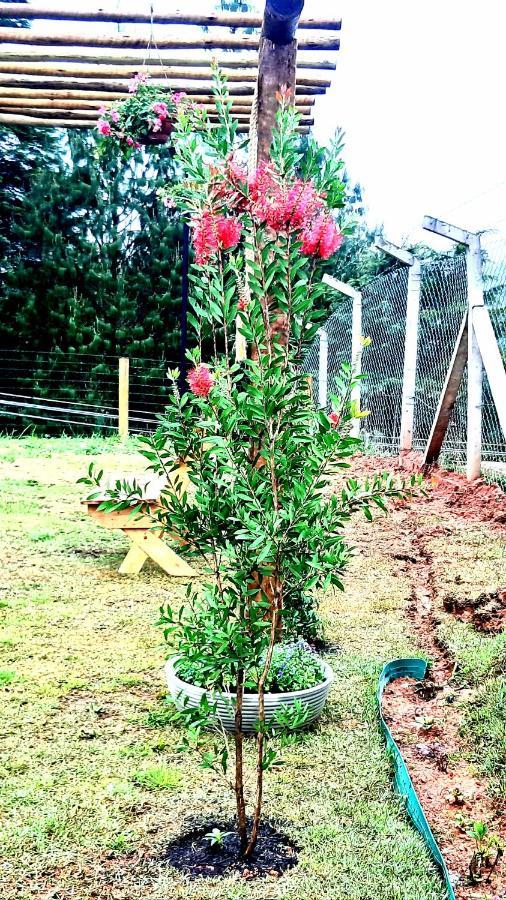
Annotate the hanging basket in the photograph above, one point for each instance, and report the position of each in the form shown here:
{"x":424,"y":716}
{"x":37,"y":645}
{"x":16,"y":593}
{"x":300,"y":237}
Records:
{"x":158,"y":137}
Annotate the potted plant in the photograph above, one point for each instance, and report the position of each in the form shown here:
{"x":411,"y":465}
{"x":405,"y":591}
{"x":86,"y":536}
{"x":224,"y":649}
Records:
{"x":297,"y":679}
{"x":146,"y":117}
{"x":259,"y":513}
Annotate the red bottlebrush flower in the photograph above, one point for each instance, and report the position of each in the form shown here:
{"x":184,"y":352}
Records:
{"x":303,"y":203}
{"x":235,"y":172}
{"x":205,"y":238}
{"x":242,"y":304}
{"x":229,"y":232}
{"x":322,"y":237}
{"x":200,"y":380}
{"x":212,"y":233}
{"x":334,"y":418}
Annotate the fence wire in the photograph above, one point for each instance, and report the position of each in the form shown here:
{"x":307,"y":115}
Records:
{"x":78,"y":391}
{"x":443,"y":302}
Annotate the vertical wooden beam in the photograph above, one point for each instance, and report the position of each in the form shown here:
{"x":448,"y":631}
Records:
{"x":277,"y":59}
{"x":448,"y":395}
{"x":123,"y":390}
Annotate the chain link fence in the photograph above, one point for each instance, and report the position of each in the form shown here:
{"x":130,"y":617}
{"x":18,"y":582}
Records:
{"x":443,"y":302}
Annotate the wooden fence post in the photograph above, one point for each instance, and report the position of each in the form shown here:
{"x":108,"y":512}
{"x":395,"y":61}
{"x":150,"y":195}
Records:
{"x":123,"y":391}
{"x":323,"y":357}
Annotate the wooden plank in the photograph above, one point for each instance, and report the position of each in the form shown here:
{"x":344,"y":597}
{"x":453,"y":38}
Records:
{"x":202,"y":41}
{"x":159,"y":17}
{"x":121,"y":519}
{"x":448,"y":395}
{"x":121,"y":57}
{"x":151,"y":544}
{"x":133,"y":561}
{"x":76,"y":70}
{"x":492,"y":360}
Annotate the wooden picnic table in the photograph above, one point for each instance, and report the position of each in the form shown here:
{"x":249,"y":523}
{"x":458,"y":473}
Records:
{"x":145,"y":539}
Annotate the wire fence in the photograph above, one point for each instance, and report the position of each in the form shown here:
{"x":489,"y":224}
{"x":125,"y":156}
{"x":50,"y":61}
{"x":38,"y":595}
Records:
{"x":443,"y":302}
{"x":51,"y":390}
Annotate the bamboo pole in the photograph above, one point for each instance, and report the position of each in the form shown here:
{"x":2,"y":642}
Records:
{"x":237,"y":60}
{"x":27,"y":81}
{"x":28,"y":103}
{"x":155,"y":71}
{"x":175,"y":17}
{"x":203,"y":41}
{"x":109,"y":96}
{"x":92,"y":114}
{"x":12,"y":119}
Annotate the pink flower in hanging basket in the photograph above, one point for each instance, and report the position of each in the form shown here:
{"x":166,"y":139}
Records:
{"x":178,"y":97}
{"x":138,"y":79}
{"x":115,"y":115}
{"x":104,"y":127}
{"x":200,"y":380}
{"x":161,"y":110}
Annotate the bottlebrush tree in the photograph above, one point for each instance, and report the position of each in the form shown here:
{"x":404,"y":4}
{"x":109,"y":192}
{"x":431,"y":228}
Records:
{"x":258,"y":451}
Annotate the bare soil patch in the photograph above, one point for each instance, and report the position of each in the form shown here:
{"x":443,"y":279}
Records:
{"x":486,"y":613}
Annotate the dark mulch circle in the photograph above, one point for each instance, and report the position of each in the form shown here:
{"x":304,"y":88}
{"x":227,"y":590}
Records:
{"x":192,"y":854}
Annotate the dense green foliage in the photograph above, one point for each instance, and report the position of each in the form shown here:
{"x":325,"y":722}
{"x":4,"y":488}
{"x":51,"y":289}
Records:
{"x":90,"y":264}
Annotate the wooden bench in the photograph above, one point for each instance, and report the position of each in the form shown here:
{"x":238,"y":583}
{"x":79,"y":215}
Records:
{"x":146,"y":541}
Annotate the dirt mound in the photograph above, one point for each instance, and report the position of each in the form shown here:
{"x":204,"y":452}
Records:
{"x":477,"y":501}
{"x":486,"y":613}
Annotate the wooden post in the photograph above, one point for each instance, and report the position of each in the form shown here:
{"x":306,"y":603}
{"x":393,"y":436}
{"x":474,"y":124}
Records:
{"x":356,"y":340}
{"x":277,"y":62}
{"x":474,"y":363}
{"x":123,"y":380}
{"x":410,"y":339}
{"x":323,"y":357}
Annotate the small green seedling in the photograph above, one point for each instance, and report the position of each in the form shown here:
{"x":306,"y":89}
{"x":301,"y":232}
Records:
{"x":489,"y":849}
{"x":216,"y":838}
{"x":456,"y":797}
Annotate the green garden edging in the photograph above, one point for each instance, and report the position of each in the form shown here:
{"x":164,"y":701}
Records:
{"x":410,"y":668}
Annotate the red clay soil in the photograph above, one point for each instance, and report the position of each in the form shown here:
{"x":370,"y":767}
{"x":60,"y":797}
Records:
{"x":425,"y":718}
{"x":478,"y":501}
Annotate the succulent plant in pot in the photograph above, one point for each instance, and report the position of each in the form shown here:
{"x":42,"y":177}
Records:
{"x":259,"y":453}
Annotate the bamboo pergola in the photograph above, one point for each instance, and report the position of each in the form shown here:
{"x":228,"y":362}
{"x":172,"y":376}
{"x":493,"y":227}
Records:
{"x":53,"y":78}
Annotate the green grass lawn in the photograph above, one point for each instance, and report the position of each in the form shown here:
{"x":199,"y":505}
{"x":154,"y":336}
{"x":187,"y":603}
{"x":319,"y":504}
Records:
{"x":92,"y":786}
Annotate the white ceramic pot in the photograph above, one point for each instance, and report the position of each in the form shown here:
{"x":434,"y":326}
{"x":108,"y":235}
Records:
{"x":312,"y":698}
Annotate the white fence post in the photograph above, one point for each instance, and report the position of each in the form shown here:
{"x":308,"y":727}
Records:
{"x":410,"y":339}
{"x":323,"y":361}
{"x":474,"y":361}
{"x":356,"y":356}
{"x":356,"y":339}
